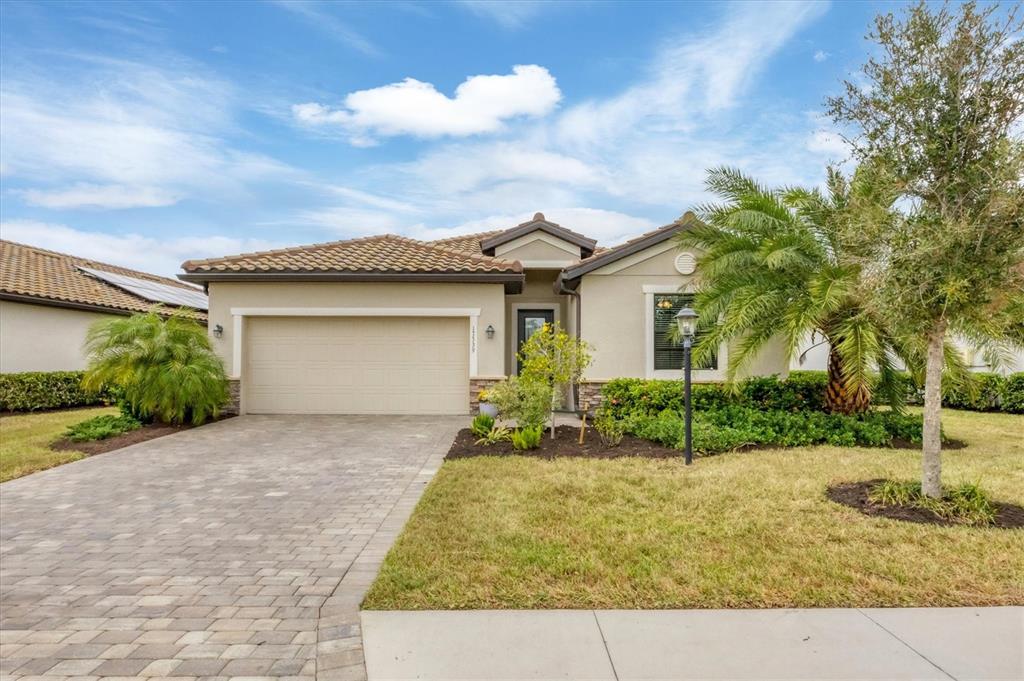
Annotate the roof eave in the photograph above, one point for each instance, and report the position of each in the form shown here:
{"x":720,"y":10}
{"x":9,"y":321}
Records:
{"x":200,"y":315}
{"x":513,"y":281}
{"x":586,"y":245}
{"x":571,"y":275}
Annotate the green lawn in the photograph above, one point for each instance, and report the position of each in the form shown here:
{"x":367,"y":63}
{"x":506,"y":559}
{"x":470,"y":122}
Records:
{"x":736,"y":530}
{"x":25,"y":439}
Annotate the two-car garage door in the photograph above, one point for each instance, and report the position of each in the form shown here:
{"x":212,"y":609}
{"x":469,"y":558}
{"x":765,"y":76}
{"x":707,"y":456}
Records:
{"x":356,"y":365}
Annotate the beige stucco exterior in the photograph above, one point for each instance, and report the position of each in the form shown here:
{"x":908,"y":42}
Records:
{"x":539,"y":250}
{"x":488,"y":298}
{"x":538,"y":293}
{"x":42,"y":337}
{"x":615,"y":318}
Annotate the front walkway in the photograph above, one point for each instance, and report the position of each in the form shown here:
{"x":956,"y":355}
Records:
{"x":239,"y":549}
{"x":899,"y":643}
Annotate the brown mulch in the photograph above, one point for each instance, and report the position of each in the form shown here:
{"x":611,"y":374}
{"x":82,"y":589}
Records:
{"x":565,"y":444}
{"x":149,"y":431}
{"x":855,"y":495}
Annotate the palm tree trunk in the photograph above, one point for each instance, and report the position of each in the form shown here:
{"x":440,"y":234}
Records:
{"x":839,"y":400}
{"x":931,"y":449}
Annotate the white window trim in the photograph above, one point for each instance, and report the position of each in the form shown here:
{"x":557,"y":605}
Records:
{"x":239,"y":313}
{"x":697,"y":374}
{"x":516,"y":307}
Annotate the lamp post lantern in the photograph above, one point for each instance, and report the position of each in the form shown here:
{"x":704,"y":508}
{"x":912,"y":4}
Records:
{"x":686,"y":320}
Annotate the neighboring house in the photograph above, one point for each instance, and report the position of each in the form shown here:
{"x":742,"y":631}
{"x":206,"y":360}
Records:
{"x":48,"y":300}
{"x":815,"y":358}
{"x":387,"y":324}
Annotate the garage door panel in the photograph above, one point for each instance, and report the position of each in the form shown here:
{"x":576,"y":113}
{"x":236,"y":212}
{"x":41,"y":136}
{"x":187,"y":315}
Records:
{"x":357,"y":365}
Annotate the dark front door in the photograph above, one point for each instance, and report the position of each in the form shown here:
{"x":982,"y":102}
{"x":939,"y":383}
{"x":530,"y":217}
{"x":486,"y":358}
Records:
{"x":528,"y":322}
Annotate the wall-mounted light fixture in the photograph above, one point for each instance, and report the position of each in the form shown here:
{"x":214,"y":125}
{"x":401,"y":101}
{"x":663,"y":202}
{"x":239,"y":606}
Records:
{"x":218,"y":330}
{"x":489,"y":331}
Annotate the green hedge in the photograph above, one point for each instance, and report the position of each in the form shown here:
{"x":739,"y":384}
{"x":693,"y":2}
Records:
{"x":731,"y":427}
{"x":35,"y":390}
{"x":1012,"y":398}
{"x":802,"y":391}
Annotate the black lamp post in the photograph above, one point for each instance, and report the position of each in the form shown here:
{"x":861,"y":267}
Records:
{"x":686,"y":320}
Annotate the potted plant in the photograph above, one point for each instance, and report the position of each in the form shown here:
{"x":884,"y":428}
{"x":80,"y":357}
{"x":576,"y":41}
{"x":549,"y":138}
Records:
{"x":485,"y":406}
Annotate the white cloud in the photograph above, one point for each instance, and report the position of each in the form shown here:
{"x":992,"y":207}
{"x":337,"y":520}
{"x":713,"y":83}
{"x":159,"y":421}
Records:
{"x":693,"y":79}
{"x":148,"y":254}
{"x":112,"y":196}
{"x":510,"y":14}
{"x":123,"y":135}
{"x":829,"y":143}
{"x":821,"y":55}
{"x":481,"y":104}
{"x":319,"y":17}
{"x":467,"y":168}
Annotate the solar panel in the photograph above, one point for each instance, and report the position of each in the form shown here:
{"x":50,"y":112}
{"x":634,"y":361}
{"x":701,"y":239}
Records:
{"x":151,"y":290}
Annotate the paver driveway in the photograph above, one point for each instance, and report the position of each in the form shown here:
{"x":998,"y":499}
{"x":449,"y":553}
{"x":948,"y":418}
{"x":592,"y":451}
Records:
{"x":210,"y":552}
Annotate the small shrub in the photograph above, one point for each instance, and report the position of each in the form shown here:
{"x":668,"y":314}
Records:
{"x":482,"y":424}
{"x":35,"y":390}
{"x":1012,"y":398}
{"x":528,"y":437}
{"x":495,"y":435}
{"x":966,"y":503}
{"x":101,"y":427}
{"x":528,"y":402}
{"x":166,"y":368}
{"x":610,"y":429}
{"x":981,"y":393}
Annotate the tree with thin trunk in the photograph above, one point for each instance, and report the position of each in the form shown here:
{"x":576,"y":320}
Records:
{"x":553,"y":357}
{"x":938,"y":111}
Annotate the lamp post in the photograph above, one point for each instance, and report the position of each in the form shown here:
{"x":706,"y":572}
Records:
{"x":686,"y":320}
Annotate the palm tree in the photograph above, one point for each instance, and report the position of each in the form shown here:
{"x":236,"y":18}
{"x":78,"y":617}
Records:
{"x":774,"y":264}
{"x":165,"y":368}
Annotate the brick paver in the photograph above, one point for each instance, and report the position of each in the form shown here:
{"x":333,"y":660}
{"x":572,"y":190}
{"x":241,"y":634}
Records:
{"x":240,"y":549}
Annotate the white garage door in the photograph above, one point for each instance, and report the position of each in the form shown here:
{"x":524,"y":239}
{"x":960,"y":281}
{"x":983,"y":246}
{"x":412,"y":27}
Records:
{"x":356,"y":365}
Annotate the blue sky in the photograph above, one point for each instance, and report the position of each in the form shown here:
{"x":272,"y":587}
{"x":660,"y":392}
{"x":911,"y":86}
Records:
{"x":144,"y":134}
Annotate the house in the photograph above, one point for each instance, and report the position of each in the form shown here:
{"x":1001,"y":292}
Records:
{"x":388,"y":324}
{"x":48,"y":300}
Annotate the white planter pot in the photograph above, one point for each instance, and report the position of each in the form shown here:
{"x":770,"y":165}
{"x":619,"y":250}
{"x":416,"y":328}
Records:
{"x":489,"y":409}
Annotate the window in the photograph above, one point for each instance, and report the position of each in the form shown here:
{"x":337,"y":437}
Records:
{"x":668,"y":355}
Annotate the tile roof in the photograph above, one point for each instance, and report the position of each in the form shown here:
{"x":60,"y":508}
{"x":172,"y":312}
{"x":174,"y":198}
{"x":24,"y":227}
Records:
{"x":31,"y":272}
{"x":468,"y":243}
{"x":539,"y":222}
{"x":385,"y":254}
{"x":639,"y":243}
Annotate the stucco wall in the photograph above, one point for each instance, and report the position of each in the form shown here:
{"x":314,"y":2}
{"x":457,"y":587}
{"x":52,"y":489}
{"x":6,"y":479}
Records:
{"x":42,"y":337}
{"x":539,"y":292}
{"x":543,"y":248}
{"x":490,"y":298}
{"x":614,"y":318}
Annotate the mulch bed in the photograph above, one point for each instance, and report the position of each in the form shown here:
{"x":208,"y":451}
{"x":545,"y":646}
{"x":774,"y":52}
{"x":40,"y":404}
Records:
{"x":565,"y":444}
{"x":855,"y":495}
{"x":147,"y":432}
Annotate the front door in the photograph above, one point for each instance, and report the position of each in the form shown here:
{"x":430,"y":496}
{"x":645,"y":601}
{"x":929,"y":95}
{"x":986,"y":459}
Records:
{"x":529,"y":322}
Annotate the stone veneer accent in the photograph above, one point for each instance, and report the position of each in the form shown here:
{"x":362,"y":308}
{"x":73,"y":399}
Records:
{"x":234,"y":404}
{"x":590,"y":392}
{"x":475,"y":386}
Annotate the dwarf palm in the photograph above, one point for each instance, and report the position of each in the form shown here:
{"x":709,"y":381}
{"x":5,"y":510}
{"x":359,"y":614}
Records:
{"x":165,"y":368}
{"x":772,"y":265}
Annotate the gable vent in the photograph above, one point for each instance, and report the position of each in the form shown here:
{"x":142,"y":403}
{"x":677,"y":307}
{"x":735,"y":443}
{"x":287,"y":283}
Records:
{"x":686,"y":263}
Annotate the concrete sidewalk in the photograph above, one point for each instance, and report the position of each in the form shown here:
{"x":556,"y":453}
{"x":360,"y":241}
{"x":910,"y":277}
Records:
{"x":912,"y":643}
